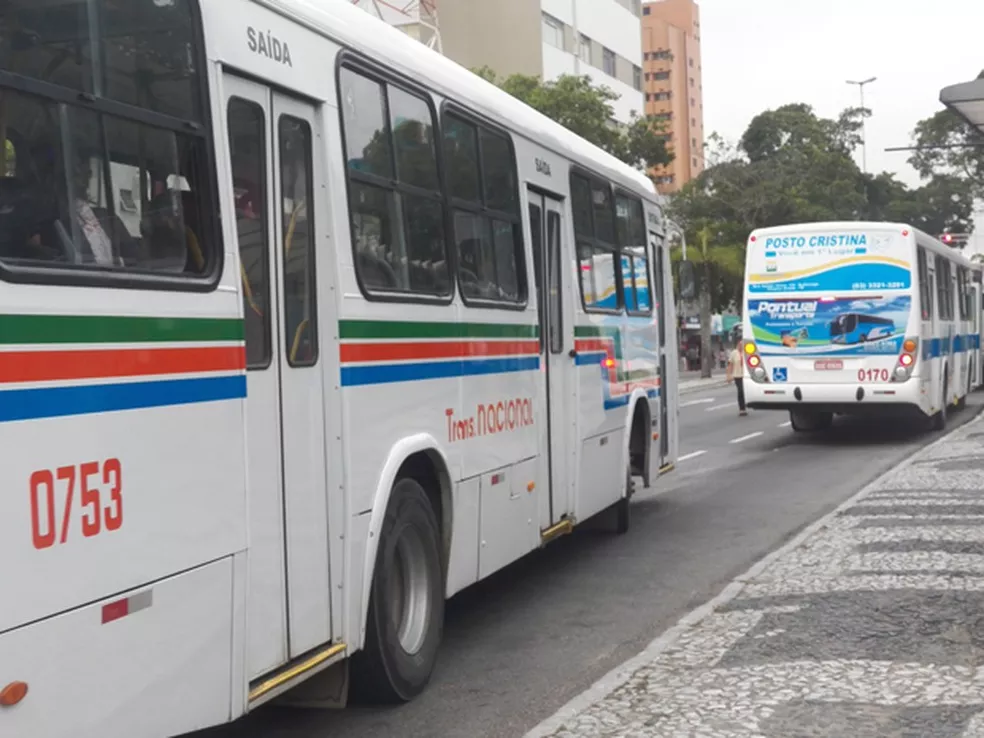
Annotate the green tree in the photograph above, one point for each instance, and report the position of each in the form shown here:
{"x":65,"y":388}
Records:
{"x":587,"y":110}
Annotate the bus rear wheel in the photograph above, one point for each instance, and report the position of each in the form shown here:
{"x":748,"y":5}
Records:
{"x":405,"y":620}
{"x":939,"y":420}
{"x":810,"y":421}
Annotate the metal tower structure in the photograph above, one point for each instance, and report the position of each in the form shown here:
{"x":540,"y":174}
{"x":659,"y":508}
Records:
{"x":416,"y":18}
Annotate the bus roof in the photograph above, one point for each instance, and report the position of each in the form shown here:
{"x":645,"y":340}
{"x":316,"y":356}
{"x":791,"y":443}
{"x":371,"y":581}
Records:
{"x":354,"y":28}
{"x":924,"y":239}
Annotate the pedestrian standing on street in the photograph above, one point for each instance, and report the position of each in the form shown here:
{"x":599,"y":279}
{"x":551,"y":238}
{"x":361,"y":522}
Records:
{"x":736,"y":372}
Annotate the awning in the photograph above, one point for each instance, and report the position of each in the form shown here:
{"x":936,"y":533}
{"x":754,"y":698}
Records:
{"x":967,"y":101}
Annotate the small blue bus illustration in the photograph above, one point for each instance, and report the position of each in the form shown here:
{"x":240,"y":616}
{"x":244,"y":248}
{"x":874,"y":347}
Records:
{"x":858,"y":328}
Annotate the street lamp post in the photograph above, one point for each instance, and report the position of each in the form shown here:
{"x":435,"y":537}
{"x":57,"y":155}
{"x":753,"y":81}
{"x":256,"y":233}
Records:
{"x":864,"y":132}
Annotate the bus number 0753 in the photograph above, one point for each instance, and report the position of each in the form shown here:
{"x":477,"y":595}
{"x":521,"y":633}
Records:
{"x":99,"y":487}
{"x":873,"y":375}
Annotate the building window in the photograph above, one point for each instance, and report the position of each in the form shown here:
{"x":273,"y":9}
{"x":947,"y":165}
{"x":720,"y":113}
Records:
{"x":553,"y":31}
{"x":662,"y":54}
{"x":693,"y":122}
{"x":693,"y":142}
{"x":667,"y":180}
{"x":645,"y":10}
{"x":693,"y":160}
{"x":584,"y":49}
{"x":663,"y":116}
{"x":691,"y":63}
{"x":661,"y":75}
{"x":663,"y":95}
{"x":608,"y":62}
{"x":691,"y":81}
{"x":645,"y":56}
{"x":636,"y":77}
{"x":649,"y":97}
{"x":693,"y":103}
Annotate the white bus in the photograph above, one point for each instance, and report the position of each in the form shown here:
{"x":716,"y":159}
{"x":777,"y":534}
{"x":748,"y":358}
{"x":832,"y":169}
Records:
{"x":305,"y":329}
{"x":854,"y":317}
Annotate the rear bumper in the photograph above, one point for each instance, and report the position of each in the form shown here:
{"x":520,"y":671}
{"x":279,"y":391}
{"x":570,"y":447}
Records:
{"x":843,"y":398}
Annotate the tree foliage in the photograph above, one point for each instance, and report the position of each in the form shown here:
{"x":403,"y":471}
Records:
{"x":587,"y":110}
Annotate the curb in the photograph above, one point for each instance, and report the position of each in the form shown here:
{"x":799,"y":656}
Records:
{"x":623,"y":672}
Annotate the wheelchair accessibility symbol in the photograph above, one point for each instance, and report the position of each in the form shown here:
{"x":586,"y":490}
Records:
{"x":778,"y":374}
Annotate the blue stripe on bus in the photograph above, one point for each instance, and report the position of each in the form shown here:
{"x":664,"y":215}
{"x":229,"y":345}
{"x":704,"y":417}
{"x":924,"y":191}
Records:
{"x":57,"y":402}
{"x":355,"y":376}
{"x":933,"y":348}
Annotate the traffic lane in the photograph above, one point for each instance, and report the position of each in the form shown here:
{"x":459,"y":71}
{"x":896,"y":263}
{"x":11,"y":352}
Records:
{"x":521,"y":644}
{"x":729,"y":445}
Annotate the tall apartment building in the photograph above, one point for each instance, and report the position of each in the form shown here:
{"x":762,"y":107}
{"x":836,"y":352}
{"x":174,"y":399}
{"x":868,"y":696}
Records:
{"x":672,"y":85}
{"x":546,"y":38}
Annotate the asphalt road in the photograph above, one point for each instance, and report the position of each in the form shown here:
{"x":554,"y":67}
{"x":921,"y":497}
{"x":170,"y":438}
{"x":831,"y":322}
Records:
{"x":520,"y":645}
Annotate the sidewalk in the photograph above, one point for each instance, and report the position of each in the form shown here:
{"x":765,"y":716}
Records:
{"x":692,"y":381}
{"x":870,"y":623}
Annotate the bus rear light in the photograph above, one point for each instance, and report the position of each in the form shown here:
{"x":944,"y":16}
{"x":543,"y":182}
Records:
{"x":906,"y":360}
{"x":910,"y":345}
{"x":13,"y":693}
{"x":609,"y":363}
{"x":754,"y":361}
{"x":750,"y":348}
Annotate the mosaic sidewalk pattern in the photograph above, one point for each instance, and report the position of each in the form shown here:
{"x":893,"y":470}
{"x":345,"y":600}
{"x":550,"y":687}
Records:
{"x":869,"y":624}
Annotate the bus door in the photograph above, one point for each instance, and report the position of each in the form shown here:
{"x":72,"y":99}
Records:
{"x":656,"y":259}
{"x":557,"y":435}
{"x":273,"y":141}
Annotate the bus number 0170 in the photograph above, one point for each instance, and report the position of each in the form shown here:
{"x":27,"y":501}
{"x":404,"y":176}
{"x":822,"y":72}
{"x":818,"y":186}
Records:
{"x":873,"y":375}
{"x":101,"y":505}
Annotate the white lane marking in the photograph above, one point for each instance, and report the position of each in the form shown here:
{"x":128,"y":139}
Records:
{"x":719,"y":407}
{"x":756,"y":434}
{"x":698,"y":402}
{"x":694,"y":455}
{"x":786,"y":424}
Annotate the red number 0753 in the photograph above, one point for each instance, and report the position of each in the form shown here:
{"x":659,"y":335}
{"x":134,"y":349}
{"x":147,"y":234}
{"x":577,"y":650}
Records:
{"x":95,"y":488}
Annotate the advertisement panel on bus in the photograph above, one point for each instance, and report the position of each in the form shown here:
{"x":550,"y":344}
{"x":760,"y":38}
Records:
{"x":834,"y":291}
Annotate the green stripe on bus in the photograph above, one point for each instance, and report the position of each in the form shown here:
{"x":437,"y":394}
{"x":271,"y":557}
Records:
{"x":380,"y":329}
{"x":115,"y":329}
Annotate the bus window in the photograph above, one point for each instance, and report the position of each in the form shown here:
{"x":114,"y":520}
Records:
{"x":925,"y":290}
{"x":631,"y":233}
{"x":487,"y":229}
{"x":397,"y":216}
{"x":297,"y":193}
{"x":90,"y":187}
{"x":594,"y":223}
{"x":247,"y":145}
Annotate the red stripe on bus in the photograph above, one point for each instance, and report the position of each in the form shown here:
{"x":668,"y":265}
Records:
{"x":407,"y":350}
{"x":50,"y":366}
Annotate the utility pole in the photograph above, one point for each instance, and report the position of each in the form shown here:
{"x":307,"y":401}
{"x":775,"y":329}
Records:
{"x":864,"y":129}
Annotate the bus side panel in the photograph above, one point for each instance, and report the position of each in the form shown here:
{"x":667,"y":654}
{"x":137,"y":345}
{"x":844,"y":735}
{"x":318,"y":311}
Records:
{"x":98,"y":503}
{"x":152,"y":661}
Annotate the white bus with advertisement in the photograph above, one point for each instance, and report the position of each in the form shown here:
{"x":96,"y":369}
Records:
{"x":857,"y":318}
{"x":304,"y":329}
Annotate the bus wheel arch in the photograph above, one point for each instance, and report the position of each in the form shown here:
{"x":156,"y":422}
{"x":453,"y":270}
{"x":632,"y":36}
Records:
{"x":405,"y":576}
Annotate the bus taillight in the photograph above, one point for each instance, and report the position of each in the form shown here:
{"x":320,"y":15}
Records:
{"x":907,"y":359}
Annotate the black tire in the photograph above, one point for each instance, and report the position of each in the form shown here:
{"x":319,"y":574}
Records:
{"x":809,"y":422}
{"x":386,"y":671}
{"x":621,"y":508}
{"x":939,"y":420}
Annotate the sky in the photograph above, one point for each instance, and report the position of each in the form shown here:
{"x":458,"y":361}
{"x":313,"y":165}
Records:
{"x":760,"y":54}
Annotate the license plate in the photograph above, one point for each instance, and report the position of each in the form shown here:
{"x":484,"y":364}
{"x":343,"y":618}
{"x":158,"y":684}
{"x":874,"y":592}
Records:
{"x":828,"y":365}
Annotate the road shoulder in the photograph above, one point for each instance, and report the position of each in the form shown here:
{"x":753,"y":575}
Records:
{"x":866,"y":623}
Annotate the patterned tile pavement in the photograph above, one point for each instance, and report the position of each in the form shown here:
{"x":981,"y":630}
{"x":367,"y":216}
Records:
{"x":870,"y":623}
